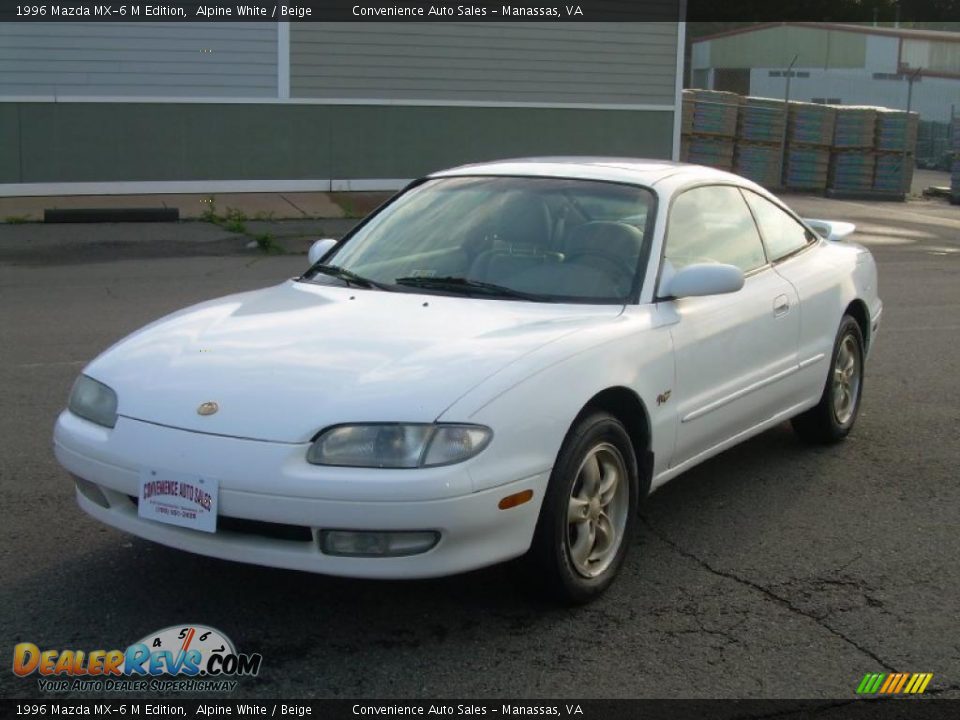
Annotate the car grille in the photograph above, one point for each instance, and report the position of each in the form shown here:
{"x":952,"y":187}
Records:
{"x":261,"y":528}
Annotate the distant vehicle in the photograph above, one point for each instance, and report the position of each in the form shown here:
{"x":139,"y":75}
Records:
{"x":502,"y":361}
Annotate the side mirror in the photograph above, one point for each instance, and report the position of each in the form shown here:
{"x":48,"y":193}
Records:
{"x":319,"y":249}
{"x":703,"y":279}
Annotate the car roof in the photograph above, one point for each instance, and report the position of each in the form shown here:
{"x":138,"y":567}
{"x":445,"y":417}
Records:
{"x":615,"y":169}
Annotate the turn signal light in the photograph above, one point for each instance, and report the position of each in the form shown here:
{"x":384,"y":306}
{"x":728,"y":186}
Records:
{"x":516,"y":499}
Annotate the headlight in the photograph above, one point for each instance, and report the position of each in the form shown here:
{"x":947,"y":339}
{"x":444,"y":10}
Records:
{"x":398,"y":446}
{"x":94,"y":401}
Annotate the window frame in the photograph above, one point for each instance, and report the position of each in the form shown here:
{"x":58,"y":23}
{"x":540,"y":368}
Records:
{"x":812,"y":237}
{"x":657,"y":297}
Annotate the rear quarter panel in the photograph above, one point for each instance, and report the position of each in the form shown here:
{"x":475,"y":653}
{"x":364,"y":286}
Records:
{"x":828,"y":277}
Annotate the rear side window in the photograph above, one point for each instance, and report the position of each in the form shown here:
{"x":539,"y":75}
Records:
{"x":782,"y":234}
{"x":713,"y":224}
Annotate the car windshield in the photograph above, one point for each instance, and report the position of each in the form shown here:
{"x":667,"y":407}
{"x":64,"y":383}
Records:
{"x":515,"y":238}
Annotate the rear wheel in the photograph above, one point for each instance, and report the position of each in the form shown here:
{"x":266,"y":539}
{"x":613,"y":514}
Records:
{"x":833,"y":417}
{"x":588,"y":514}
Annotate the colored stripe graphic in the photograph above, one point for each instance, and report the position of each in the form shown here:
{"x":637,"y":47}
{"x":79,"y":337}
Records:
{"x":870,"y":683}
{"x":894,"y":683}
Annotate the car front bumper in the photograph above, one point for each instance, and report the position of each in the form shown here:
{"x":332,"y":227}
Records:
{"x":273,"y":505}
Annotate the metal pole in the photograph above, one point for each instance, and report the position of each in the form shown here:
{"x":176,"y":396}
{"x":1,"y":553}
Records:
{"x":786,"y":119}
{"x":903,"y":161}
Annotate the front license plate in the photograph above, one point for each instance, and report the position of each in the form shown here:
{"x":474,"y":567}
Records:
{"x":179,"y":499}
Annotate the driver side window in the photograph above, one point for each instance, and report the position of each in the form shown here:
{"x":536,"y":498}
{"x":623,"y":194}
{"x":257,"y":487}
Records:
{"x":713,"y":224}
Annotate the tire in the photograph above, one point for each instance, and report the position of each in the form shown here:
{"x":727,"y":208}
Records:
{"x":571,"y":561}
{"x":832,"y":419}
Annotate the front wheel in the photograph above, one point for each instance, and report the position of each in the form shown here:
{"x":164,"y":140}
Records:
{"x":833,"y":417}
{"x":589,"y":511}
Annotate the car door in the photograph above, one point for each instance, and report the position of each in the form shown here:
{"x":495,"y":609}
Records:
{"x":732,"y":351}
{"x":794,"y":252}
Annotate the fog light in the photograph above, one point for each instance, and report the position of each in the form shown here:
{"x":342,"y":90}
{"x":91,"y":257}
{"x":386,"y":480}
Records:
{"x":361,"y":543}
{"x":92,"y":492}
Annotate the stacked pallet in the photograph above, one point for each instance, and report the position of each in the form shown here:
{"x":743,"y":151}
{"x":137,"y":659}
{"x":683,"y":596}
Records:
{"x":715,"y":113}
{"x":893,"y":173}
{"x":760,"y":162}
{"x":811,"y":124}
{"x":705,"y":150}
{"x":897,"y":130}
{"x":895,"y":143}
{"x":761,"y":120}
{"x":853,"y":161}
{"x":855,"y":127}
{"x":837,"y":149}
{"x":686,"y":114}
{"x":807,"y":168}
{"x":760,"y":127}
{"x":852,"y":170}
{"x":712,"y":127}
{"x":810,"y":128}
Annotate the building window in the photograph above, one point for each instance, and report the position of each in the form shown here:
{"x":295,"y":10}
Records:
{"x":894,"y":76}
{"x":789,"y":73}
{"x":827,"y":101}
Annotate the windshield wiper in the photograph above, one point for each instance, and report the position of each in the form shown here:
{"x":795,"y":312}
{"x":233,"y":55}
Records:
{"x":348,"y":276}
{"x":466,"y":286}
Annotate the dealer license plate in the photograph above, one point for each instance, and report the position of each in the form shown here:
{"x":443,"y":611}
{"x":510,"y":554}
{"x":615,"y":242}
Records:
{"x":189,"y":501}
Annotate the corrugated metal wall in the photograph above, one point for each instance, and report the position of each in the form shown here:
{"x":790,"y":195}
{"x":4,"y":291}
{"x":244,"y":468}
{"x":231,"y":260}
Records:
{"x":932,"y":56}
{"x":522,"y":62}
{"x":139,"y":59}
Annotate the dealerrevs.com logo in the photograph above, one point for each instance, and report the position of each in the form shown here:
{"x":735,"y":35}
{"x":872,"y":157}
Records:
{"x":178,"y":658}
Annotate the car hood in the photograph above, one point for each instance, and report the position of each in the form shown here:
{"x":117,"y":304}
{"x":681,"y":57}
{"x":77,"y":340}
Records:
{"x":284,"y":362}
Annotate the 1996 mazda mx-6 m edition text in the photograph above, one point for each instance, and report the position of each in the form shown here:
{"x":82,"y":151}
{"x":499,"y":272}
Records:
{"x":502,"y":361}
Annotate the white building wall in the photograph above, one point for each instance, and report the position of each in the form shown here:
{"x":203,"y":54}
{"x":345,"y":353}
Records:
{"x":931,"y":96}
{"x":882,"y":53}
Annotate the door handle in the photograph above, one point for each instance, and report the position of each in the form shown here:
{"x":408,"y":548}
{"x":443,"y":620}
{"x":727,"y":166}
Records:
{"x":781,"y":305}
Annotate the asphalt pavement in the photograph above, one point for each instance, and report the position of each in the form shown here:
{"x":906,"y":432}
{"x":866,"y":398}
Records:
{"x":773,"y":570}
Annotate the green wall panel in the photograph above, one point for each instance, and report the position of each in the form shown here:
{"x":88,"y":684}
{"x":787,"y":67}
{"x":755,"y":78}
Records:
{"x":110,"y":142}
{"x":9,"y":143}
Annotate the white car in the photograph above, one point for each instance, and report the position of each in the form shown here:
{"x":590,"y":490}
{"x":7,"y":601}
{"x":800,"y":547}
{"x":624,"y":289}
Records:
{"x":502,"y":361}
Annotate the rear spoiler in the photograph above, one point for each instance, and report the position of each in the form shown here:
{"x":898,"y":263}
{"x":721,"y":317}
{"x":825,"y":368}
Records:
{"x":831,"y":229}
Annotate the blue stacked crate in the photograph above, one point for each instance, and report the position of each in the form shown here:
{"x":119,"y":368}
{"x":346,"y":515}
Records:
{"x":715,"y":113}
{"x":762,"y":163}
{"x":852,"y":170}
{"x":711,"y":117}
{"x":686,"y":114}
{"x":760,"y":130}
{"x":810,"y":128}
{"x":893,"y":173}
{"x":811,"y":124}
{"x":807,"y":167}
{"x":761,"y":120}
{"x":855,"y":128}
{"x":896,"y":147}
{"x":715,"y":152}
{"x":853,"y":160}
{"x":897,"y":130}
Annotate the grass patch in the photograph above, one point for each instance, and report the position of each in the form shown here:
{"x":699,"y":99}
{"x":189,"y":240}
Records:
{"x":266,"y":243}
{"x":16,"y":219}
{"x":235,"y":221}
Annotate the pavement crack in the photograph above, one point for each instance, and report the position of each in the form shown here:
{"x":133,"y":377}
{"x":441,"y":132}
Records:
{"x":294,"y":205}
{"x":779,"y":599}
